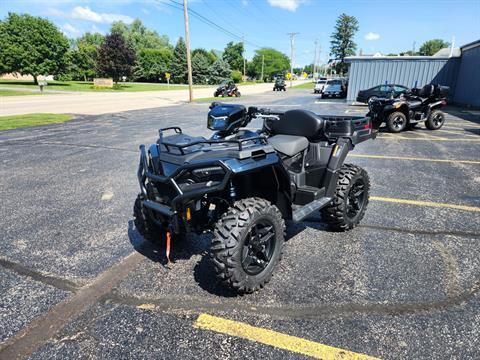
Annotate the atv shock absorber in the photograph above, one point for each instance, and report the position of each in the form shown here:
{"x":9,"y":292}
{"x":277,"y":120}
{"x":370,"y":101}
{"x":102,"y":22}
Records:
{"x":233,"y":194}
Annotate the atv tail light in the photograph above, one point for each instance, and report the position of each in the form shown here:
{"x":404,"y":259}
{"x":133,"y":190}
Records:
{"x":444,"y":103}
{"x":367,"y":126}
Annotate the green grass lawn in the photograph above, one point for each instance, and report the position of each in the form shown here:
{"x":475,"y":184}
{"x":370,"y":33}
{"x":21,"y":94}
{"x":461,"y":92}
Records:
{"x":88,"y":86}
{"x":21,"y":121}
{"x":17,"y":92}
{"x":306,"y":85}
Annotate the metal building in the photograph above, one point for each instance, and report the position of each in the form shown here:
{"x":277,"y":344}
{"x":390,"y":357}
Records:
{"x":467,"y":90}
{"x":460,"y":73}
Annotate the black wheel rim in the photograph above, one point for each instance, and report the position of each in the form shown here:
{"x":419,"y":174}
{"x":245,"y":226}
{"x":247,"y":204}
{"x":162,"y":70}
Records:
{"x":437,"y":120}
{"x":398,"y":122}
{"x":355,"y":199}
{"x":259,"y":247}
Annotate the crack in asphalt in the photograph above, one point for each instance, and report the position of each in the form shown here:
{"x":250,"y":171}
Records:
{"x":46,"y":326}
{"x":59,"y":283}
{"x":315,"y":311}
{"x":421,"y":232}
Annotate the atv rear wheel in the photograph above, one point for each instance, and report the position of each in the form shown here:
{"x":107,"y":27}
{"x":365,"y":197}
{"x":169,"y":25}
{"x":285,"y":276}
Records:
{"x":247,"y":244}
{"x":435,"y":120}
{"x":350,"y":201}
{"x":396,"y":122}
{"x":145,"y":226}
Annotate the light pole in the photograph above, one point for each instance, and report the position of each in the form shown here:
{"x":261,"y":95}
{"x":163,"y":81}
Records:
{"x":187,"y":45}
{"x":292,"y":40}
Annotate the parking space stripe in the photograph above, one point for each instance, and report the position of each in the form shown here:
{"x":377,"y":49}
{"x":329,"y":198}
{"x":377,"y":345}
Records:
{"x":456,"y":132}
{"x":424,"y":139}
{"x":425,"y":203}
{"x":414,"y":159}
{"x":276,"y":339}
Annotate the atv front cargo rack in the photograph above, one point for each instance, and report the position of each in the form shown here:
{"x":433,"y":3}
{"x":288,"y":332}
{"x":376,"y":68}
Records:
{"x":182,"y":147}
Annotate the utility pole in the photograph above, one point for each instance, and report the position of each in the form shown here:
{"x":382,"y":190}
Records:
{"x":292,"y":43}
{"x":244,"y":62}
{"x":413,"y":48}
{"x":263,"y":62}
{"x":187,"y":44}
{"x":315,"y":59}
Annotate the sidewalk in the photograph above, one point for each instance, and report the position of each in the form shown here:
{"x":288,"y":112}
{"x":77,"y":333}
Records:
{"x":94,"y":103}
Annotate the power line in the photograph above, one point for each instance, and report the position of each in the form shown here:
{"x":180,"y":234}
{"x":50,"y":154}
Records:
{"x":211,"y":23}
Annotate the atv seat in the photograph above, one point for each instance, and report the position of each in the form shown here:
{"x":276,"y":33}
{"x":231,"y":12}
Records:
{"x":302,"y":123}
{"x":288,"y":144}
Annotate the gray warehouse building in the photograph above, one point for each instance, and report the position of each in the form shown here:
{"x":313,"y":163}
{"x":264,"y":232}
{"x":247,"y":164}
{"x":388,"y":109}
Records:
{"x":461,"y":73}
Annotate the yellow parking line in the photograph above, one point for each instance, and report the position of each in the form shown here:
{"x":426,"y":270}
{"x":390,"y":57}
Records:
{"x":414,"y":159}
{"x":276,"y":339}
{"x":428,"y":136}
{"x":462,"y":125}
{"x":425,"y":203}
{"x":423,"y":139}
{"x":456,"y":132}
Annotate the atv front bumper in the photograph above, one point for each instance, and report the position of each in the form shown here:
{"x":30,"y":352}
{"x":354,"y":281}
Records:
{"x":174,"y":212}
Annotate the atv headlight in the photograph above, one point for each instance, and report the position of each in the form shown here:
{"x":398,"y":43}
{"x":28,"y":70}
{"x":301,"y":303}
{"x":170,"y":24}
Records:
{"x":208,"y":172}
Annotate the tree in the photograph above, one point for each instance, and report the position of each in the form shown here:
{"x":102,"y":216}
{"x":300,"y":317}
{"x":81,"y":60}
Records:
{"x":95,"y":39}
{"x":274,"y":63}
{"x":31,"y":45}
{"x":208,"y":55}
{"x":152,"y":64}
{"x":233,"y":54}
{"x":219,"y":71}
{"x":200,"y":68}
{"x":115,"y":57}
{"x":430,"y":47}
{"x":82,"y":62}
{"x":179,"y":63}
{"x":138,"y":36}
{"x":341,"y":43}
{"x":236,"y":76}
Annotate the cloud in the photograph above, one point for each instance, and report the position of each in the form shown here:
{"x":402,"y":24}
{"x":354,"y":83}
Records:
{"x":69,"y":29}
{"x":290,"y":5}
{"x":372,"y":36}
{"x":87,"y":14}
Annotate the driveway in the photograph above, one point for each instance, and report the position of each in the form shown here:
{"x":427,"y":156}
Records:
{"x":78,"y":281}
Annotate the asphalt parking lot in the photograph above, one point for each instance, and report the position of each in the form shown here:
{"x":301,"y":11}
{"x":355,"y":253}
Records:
{"x":78,"y":281}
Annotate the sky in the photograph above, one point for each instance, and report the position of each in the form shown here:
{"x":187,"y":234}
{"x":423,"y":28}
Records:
{"x":385,"y":26}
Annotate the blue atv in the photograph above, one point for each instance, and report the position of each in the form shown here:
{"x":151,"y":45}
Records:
{"x":242,"y":185}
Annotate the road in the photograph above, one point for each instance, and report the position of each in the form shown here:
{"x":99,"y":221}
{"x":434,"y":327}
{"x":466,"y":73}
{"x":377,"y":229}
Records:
{"x":96,"y":103}
{"x":78,"y":281}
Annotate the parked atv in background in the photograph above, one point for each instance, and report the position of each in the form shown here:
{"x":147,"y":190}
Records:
{"x":227,"y":88}
{"x":280,"y":85}
{"x":407,"y":110}
{"x":243,"y":185}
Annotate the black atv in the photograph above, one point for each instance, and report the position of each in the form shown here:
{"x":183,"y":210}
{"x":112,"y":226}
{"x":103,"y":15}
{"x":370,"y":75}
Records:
{"x":407,"y":110}
{"x":280,"y":85}
{"x":227,"y":88}
{"x":244,"y":184}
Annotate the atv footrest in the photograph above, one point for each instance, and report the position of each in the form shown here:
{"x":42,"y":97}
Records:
{"x":162,"y":209}
{"x":307,"y":194}
{"x":302,"y":212}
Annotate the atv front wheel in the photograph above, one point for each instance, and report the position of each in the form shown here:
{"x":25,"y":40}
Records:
{"x":247,"y":244}
{"x":237,"y":94}
{"x":145,"y":226}
{"x":396,"y":122}
{"x":350,"y":201}
{"x":435,"y":120}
